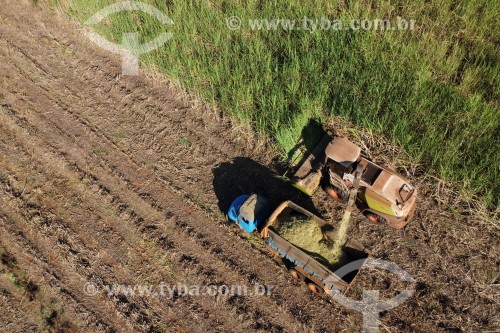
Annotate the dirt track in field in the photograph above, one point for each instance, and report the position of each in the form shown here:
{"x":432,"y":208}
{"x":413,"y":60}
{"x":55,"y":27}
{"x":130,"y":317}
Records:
{"x":121,"y":180}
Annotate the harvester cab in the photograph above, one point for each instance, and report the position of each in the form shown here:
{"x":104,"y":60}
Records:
{"x":342,"y":159}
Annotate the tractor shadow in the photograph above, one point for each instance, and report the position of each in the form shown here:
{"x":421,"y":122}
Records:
{"x":243,"y":175}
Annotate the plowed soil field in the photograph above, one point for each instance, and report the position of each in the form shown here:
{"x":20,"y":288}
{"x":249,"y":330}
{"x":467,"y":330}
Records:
{"x":106,"y":179}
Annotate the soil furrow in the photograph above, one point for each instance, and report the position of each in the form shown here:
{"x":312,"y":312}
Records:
{"x":42,"y":264}
{"x":48,"y":228}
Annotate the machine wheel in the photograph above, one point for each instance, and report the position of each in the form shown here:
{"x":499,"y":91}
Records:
{"x":336,"y":193}
{"x":297,"y":276}
{"x":315,"y":289}
{"x":239,"y":231}
{"x":375,"y":218}
{"x":236,"y":229}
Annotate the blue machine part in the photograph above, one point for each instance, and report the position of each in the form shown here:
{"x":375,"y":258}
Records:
{"x":248,"y":211}
{"x":233,"y":212}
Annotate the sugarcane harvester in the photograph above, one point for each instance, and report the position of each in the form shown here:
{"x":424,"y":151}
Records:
{"x":384,"y":196}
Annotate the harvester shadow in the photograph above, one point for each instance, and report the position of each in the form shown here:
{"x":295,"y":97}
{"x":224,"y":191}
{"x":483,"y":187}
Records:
{"x":243,"y":175}
{"x":311,"y":134}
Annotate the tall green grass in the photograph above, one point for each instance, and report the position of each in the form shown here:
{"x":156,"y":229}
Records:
{"x":433,"y":90}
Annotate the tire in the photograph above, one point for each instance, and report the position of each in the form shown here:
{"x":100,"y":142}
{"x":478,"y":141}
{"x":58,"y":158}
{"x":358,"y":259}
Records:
{"x":315,"y":289}
{"x":336,"y":193}
{"x":236,"y":229}
{"x":297,"y":276}
{"x":374,"y":218}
